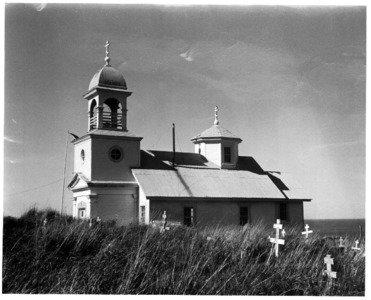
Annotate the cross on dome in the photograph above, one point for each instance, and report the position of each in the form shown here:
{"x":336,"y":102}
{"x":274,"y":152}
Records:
{"x":107,"y":59}
{"x":216,"y":120}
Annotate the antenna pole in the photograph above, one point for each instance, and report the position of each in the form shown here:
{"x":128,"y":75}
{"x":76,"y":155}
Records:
{"x":173,"y":160}
{"x":64,"y":172}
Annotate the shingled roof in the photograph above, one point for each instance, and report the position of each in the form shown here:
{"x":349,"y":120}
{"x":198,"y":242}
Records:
{"x":216,"y":131}
{"x":195,"y":177}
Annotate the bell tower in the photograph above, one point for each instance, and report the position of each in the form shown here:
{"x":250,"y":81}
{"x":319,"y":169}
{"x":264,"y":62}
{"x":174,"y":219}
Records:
{"x":103,"y":185}
{"x":107,"y":97}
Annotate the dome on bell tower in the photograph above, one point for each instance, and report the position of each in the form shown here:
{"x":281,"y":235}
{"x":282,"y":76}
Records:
{"x":108,"y":77}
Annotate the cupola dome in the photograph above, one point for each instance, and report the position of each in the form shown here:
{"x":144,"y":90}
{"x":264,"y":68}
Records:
{"x":108,"y":77}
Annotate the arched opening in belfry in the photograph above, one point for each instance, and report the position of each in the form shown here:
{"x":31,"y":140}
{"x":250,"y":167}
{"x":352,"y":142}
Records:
{"x":93,"y":115}
{"x":112,"y":114}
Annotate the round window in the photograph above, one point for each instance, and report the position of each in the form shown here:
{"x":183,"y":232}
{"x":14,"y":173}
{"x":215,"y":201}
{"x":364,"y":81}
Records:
{"x":115,"y":153}
{"x":82,"y":155}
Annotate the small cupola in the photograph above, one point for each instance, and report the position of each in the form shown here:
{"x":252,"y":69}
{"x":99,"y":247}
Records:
{"x":218,"y":144}
{"x":107,"y":97}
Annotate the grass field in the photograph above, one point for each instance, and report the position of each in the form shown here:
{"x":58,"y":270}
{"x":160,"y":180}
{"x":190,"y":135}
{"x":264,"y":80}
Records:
{"x":68,"y":256}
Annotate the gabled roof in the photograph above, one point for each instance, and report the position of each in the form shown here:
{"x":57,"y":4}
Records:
{"x":206,"y":183}
{"x":195,"y":177}
{"x":215,"y":131}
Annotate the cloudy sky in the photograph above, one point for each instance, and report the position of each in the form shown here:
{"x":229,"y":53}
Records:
{"x":289,"y":81}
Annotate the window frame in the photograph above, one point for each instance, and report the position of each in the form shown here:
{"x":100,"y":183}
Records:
{"x":142,"y":213}
{"x":245,"y":215}
{"x":82,"y":155}
{"x":191,"y":218}
{"x":225,"y":154}
{"x":113,"y":148}
{"x":83,"y":215}
{"x":283,"y":211}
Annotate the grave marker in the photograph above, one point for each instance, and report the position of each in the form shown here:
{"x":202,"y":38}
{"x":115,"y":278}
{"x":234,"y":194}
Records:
{"x":164,"y":218}
{"x":341,"y":241}
{"x":329,"y":262}
{"x":283,"y":232}
{"x":306,"y":232}
{"x":356,"y":247}
{"x":276,"y":240}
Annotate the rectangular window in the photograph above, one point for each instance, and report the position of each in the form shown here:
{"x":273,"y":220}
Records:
{"x":244,"y":215}
{"x":142,"y":214}
{"x":188,"y":216}
{"x":227,"y":154}
{"x":283,"y":212}
{"x":81,"y":214}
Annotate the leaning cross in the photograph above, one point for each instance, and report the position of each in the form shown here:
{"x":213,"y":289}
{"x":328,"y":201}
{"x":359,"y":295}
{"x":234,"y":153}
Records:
{"x":356,"y":247}
{"x":329,"y":262}
{"x":277,"y":241}
{"x":306,"y":232}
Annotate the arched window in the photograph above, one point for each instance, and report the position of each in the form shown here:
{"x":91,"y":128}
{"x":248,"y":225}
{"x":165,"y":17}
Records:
{"x":93,"y":115}
{"x":112,"y":114}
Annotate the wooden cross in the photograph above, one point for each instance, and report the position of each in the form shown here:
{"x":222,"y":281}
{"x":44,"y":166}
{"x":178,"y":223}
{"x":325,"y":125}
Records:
{"x":329,"y":262}
{"x":276,"y":240}
{"x":164,"y":227}
{"x":164,"y":216}
{"x":341,"y":245}
{"x":45,"y":222}
{"x":306,"y":232}
{"x":356,"y":247}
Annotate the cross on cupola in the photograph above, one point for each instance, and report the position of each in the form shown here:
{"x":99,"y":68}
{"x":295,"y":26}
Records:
{"x":107,"y":59}
{"x":218,"y":144}
{"x":216,"y":120}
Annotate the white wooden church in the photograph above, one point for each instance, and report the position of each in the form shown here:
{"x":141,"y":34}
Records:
{"x":116,"y":180}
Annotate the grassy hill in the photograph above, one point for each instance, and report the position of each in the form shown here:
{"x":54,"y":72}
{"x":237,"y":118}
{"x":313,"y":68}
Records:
{"x":68,"y":256}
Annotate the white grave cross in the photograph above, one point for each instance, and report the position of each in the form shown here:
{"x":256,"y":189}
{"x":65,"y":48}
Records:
{"x":356,"y":247}
{"x":306,"y":232}
{"x":329,"y":262}
{"x":341,"y":245}
{"x":277,"y":241}
{"x":164,"y":218}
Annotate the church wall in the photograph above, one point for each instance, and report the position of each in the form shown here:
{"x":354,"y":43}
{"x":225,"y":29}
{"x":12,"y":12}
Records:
{"x":296,"y":213}
{"x":116,"y":204}
{"x":82,"y":202}
{"x":221,"y":212}
{"x":104,"y":168}
{"x":212,"y":153}
{"x":263,"y":211}
{"x":83,"y":166}
{"x":206,"y":213}
{"x":143,"y":201}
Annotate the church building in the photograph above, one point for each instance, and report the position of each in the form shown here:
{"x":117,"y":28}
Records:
{"x":116,"y":180}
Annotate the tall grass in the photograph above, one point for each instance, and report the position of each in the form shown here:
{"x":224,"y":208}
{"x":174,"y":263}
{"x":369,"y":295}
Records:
{"x":68,"y":256}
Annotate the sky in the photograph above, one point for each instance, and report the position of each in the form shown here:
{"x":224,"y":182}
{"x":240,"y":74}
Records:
{"x":289,"y":81}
